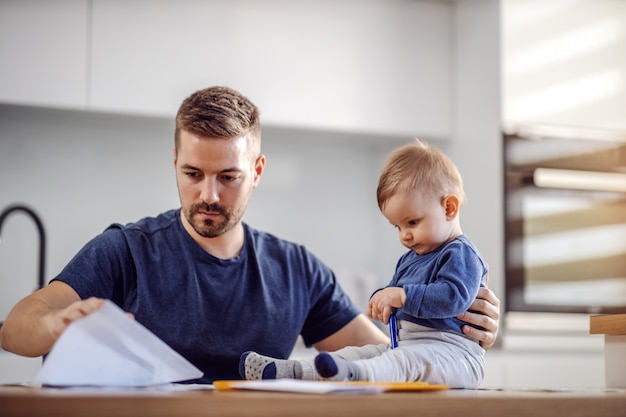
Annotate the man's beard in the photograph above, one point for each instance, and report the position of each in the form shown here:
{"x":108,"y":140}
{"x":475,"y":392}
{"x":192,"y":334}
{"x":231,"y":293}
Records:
{"x":211,"y":228}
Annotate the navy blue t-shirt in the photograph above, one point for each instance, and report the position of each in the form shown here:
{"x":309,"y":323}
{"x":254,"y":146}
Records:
{"x":211,"y":310}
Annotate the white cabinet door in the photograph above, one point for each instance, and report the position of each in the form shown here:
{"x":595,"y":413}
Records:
{"x":43,"y":45}
{"x":377,"y":66}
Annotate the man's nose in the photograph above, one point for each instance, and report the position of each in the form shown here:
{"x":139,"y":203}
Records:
{"x":209,"y":193}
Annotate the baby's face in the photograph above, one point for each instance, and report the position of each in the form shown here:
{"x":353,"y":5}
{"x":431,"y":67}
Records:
{"x":420,"y":218}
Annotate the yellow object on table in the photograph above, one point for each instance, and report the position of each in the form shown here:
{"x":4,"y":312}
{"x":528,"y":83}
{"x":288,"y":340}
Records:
{"x":325,"y":387}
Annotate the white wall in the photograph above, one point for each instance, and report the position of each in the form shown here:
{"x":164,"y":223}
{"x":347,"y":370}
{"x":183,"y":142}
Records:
{"x":476,"y":147}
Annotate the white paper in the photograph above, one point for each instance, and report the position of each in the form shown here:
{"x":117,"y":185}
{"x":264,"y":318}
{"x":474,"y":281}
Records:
{"x":108,"y":348}
{"x":307,"y":387}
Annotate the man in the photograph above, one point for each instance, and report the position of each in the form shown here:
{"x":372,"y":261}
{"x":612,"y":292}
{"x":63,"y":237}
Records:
{"x":199,"y":278}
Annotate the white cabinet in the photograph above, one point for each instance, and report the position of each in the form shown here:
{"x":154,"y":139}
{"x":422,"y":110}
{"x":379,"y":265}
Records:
{"x":43,"y":46}
{"x":551,"y":370}
{"x":376,"y":66}
{"x":546,"y":357}
{"x":361,"y":66}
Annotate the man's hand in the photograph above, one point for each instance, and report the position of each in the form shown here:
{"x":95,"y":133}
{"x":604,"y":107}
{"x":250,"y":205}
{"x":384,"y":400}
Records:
{"x":57,"y":321}
{"x":487,"y":306}
{"x":36,"y":322}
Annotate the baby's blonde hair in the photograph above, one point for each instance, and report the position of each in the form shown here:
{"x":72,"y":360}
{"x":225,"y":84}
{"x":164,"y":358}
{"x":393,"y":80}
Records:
{"x":419,"y":165}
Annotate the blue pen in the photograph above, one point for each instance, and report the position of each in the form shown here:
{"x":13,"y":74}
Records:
{"x":393,"y":330}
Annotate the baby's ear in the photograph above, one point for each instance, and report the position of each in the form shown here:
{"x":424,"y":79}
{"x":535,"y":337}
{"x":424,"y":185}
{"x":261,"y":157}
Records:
{"x":450,"y":204}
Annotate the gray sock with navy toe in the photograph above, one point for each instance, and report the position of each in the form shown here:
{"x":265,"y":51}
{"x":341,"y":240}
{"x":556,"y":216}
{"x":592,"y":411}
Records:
{"x":336,"y":369}
{"x":253,"y":366}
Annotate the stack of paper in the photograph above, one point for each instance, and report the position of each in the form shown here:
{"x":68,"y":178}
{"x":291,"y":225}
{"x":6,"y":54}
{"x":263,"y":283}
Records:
{"x":108,"y":348}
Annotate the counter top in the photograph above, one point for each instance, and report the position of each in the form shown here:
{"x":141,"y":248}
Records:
{"x":613,"y":324}
{"x":21,"y":401}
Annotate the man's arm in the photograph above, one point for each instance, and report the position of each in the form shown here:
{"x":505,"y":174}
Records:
{"x":360,"y":331}
{"x":37,"y":321}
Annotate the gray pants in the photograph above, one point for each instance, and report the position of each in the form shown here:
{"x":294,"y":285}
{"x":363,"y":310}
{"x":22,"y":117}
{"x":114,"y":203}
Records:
{"x":423,"y":354}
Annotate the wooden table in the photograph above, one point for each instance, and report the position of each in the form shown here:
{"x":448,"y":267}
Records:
{"x":31,"y":402}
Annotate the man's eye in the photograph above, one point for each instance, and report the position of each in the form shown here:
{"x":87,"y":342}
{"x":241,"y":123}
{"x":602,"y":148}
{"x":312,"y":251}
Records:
{"x":230,"y":178}
{"x":192,"y":174}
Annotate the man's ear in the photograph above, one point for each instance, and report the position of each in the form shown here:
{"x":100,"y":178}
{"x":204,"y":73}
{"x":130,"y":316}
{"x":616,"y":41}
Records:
{"x":450,"y":204}
{"x":259,"y":167}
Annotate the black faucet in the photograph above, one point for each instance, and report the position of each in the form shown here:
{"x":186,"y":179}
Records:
{"x":42,"y":236}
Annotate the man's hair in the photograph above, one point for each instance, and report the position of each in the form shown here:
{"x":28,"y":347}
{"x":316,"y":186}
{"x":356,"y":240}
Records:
{"x":220,"y":112}
{"x":419,"y":165}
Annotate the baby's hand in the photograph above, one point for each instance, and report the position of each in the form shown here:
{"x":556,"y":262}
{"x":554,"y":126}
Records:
{"x":384,"y":301}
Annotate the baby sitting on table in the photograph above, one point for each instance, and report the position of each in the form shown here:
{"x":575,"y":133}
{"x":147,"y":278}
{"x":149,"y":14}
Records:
{"x":420,"y":192}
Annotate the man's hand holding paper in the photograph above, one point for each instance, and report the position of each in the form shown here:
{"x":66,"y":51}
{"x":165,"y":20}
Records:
{"x":108,"y":348}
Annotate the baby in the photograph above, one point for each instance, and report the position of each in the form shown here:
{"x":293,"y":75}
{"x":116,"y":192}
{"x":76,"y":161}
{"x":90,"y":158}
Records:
{"x":420,"y":192}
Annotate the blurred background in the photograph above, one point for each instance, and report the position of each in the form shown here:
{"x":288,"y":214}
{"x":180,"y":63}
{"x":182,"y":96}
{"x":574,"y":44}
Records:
{"x":89,"y":90}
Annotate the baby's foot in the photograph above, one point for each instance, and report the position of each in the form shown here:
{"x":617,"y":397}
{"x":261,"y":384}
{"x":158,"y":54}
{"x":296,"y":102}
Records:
{"x":336,"y":369}
{"x":253,"y":366}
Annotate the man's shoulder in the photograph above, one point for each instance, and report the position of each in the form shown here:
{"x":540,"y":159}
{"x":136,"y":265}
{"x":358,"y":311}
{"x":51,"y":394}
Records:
{"x":148,"y":225}
{"x":260,"y":235}
{"x":272,"y":244}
